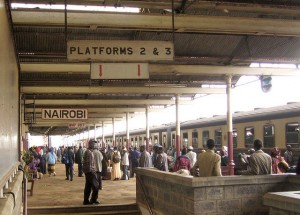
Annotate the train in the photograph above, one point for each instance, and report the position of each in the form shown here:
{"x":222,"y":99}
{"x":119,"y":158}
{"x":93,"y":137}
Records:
{"x":276,"y":127}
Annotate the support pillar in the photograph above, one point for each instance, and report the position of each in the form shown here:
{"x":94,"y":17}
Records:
{"x":229,"y":126}
{"x":95,"y":131}
{"x":147,"y":128}
{"x":177,"y":127}
{"x":127,"y":132}
{"x":114,"y":133}
{"x":103,"y":136}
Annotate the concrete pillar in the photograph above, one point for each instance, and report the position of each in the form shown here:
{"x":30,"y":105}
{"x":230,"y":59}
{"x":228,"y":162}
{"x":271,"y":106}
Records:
{"x":147,"y":128}
{"x":114,"y":132}
{"x":127,"y":132}
{"x":177,"y":127}
{"x":229,"y":126}
{"x":103,"y":136}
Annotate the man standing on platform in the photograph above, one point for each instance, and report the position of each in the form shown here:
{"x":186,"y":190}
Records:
{"x":288,"y":155}
{"x":79,"y":160}
{"x":260,"y":163}
{"x":98,"y":165}
{"x":145,"y":158}
{"x":192,"y":156}
{"x":91,"y":181}
{"x":209,"y":163}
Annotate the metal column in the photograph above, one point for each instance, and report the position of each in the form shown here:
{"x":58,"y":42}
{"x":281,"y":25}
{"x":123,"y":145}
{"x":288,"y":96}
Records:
{"x":95,"y":131}
{"x":127,"y":132}
{"x":103,"y":141}
{"x":229,"y":126}
{"x":177,"y":127}
{"x":114,"y":133}
{"x":147,"y":128}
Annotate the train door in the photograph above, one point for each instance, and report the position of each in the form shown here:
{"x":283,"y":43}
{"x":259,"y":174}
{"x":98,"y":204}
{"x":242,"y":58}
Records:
{"x":218,"y":138}
{"x":173,"y":141}
{"x":185,"y":139}
{"x":205,"y":137}
{"x":234,"y":137}
{"x":195,"y":139}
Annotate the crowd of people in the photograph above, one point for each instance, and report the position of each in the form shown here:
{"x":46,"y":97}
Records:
{"x":113,"y":163}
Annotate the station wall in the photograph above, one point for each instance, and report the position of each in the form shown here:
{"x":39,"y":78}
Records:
{"x":9,"y":95}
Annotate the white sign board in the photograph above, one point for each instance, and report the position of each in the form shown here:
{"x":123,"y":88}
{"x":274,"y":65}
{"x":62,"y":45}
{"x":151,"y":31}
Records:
{"x":119,"y":50}
{"x":119,"y":71}
{"x":77,"y":125}
{"x":66,"y":114}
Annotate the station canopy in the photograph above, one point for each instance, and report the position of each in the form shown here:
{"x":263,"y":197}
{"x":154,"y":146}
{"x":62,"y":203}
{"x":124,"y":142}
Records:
{"x":110,"y":63}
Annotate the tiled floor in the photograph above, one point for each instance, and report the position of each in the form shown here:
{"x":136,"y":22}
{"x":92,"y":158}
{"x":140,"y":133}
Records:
{"x":56,"y":191}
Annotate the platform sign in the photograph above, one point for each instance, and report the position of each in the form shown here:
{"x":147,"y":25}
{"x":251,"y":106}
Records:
{"x":64,"y":114}
{"x":77,"y":125}
{"x":120,"y":50}
{"x":119,"y":71}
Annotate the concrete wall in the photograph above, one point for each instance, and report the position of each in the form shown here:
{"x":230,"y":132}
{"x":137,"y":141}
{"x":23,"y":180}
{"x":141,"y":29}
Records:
{"x":12,"y":204}
{"x":169,"y":193}
{"x":283,"y":203}
{"x":9,"y":119}
{"x":9,"y":97}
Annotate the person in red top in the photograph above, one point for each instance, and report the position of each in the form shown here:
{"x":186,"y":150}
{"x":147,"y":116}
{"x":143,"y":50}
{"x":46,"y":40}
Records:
{"x":278,"y":163}
{"x":182,"y":162}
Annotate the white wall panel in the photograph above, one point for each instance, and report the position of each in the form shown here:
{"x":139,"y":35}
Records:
{"x":8,"y":96}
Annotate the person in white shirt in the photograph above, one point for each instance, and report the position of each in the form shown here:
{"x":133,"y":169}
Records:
{"x":192,"y":156}
{"x":125,"y":165}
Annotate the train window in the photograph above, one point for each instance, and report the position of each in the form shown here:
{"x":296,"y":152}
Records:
{"x":185,"y":139}
{"x":234,"y":137}
{"x":269,"y":137}
{"x":173,"y":140}
{"x":249,"y":137}
{"x":292,"y":134}
{"x":164,"y":139}
{"x":218,"y":137}
{"x":205,"y":137}
{"x":155,"y":139}
{"x":195,"y":139}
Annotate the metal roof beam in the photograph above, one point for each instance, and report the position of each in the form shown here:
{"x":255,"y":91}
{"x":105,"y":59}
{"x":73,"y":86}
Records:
{"x":93,"y":115}
{"x":84,"y":102}
{"x":186,"y":23}
{"x":160,"y":69}
{"x":104,"y":110}
{"x":226,"y":7}
{"x":63,"y":123}
{"x":121,"y":90}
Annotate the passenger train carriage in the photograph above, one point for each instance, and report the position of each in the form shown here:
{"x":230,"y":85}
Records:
{"x":276,"y":126}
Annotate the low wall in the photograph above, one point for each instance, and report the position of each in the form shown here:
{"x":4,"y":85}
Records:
{"x":12,"y":204}
{"x":170,"y":193}
{"x":283,"y":203}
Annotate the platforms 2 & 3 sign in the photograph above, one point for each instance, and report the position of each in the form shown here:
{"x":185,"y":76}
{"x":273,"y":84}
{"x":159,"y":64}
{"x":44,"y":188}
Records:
{"x":64,"y":114}
{"x":117,"y":50}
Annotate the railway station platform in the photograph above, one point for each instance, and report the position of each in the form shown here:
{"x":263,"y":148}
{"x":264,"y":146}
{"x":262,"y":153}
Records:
{"x":52,"y":193}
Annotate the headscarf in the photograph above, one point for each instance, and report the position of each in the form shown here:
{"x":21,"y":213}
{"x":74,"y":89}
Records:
{"x":275,"y":151}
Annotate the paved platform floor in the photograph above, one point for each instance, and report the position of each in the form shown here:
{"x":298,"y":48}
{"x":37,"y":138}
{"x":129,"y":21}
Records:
{"x":56,"y":191}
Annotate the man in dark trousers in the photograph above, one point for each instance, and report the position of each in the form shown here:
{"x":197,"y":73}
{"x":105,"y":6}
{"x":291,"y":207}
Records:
{"x":91,"y":181}
{"x":70,"y":164}
{"x":78,"y":160}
